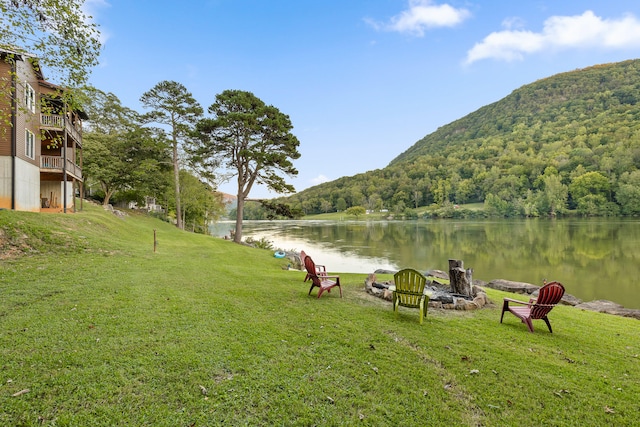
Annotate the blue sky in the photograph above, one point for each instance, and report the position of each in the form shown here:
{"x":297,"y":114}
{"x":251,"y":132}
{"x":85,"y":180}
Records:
{"x":362,"y":80}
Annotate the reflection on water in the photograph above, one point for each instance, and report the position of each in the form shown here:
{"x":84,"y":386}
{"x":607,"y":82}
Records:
{"x":594,"y":259}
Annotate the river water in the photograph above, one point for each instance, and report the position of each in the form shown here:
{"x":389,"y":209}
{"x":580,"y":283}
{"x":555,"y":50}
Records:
{"x":593,"y":258}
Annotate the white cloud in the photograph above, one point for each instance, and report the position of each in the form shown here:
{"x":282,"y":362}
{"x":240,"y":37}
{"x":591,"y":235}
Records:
{"x":559,"y":33}
{"x":91,"y":8}
{"x":421,"y":16}
{"x":319,"y":180}
{"x":513,"y":22}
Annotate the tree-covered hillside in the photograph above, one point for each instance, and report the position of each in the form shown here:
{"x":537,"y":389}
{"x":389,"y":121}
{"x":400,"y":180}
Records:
{"x":567,"y":142}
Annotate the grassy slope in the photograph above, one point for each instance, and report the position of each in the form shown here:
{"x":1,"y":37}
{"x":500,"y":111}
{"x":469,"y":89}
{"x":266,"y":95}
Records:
{"x":105,"y":332}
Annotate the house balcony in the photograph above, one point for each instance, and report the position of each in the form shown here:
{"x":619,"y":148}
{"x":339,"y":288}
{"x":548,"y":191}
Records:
{"x":56,"y":164}
{"x":60,"y":123}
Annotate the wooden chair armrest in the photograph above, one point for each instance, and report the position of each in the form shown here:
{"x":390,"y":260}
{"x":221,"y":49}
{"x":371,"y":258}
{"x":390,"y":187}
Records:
{"x":323,"y":276}
{"x":517,"y":301}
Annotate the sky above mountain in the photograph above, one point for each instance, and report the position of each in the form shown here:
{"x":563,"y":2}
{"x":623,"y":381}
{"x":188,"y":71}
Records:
{"x":362,"y":80}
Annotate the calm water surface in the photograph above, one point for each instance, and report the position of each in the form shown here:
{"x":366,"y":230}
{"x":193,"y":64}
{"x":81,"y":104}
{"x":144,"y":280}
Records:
{"x":594,"y":259}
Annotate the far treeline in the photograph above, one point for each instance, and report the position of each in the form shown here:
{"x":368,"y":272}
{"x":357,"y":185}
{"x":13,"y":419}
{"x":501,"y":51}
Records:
{"x":565,"y":145}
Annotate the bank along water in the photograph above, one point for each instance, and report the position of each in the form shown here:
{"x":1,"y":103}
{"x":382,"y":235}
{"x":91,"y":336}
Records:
{"x":593,"y":258}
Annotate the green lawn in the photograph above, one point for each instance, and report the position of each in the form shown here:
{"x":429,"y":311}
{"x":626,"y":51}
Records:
{"x":98,"y":330}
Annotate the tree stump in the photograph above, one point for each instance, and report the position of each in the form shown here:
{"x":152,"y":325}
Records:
{"x":461,"y":280}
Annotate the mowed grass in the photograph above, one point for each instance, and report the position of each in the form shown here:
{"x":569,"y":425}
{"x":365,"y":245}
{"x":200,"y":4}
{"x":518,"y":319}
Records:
{"x":98,"y":330}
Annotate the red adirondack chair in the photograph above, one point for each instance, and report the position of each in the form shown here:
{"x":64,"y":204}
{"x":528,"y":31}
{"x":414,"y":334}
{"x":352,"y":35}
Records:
{"x":322,"y":281}
{"x":321,"y":270}
{"x":537,"y":308}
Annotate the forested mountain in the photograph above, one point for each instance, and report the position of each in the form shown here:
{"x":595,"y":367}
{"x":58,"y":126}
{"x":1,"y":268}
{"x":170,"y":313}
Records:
{"x":567,"y":143}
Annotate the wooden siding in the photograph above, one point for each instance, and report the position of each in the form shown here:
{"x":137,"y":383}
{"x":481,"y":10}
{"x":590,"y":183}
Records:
{"x":5,"y":108}
{"x":27,"y":119}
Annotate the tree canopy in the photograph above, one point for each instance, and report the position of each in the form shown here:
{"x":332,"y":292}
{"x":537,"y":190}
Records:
{"x":63,"y":39}
{"x":250,"y":139}
{"x":171,"y":104}
{"x":120,"y":154}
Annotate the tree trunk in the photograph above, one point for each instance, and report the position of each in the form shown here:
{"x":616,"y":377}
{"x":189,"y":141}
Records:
{"x":460,"y":278}
{"x":176,"y":181}
{"x":237,"y":237}
{"x":107,"y":195}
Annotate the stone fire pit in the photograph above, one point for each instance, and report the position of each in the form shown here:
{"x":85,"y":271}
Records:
{"x":440,"y":294}
{"x":464,"y":294}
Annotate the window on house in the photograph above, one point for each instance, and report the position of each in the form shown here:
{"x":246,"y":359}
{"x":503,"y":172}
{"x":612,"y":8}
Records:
{"x":30,"y":144}
{"x":30,"y":98}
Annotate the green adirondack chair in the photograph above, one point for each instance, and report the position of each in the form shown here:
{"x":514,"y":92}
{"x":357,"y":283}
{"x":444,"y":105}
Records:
{"x":409,"y":291}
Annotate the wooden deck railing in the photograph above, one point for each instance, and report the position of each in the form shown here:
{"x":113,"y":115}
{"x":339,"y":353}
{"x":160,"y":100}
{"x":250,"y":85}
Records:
{"x":60,"y":122}
{"x":56,"y":163}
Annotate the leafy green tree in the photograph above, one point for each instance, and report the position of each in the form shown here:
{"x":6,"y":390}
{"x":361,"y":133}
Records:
{"x":277,"y":210}
{"x":147,"y":156}
{"x":307,"y":206}
{"x":356,"y":196}
{"x":106,"y":113}
{"x":65,"y":41}
{"x":102,"y":164}
{"x":508,"y":187}
{"x":252,"y":140}
{"x":554,"y":196}
{"x":590,"y":204}
{"x":588,"y":191}
{"x":441,"y":191}
{"x":119,"y":154}
{"x":409,"y":214}
{"x":416,"y":197}
{"x":628,"y":194}
{"x":201,"y":204}
{"x":399,"y":207}
{"x":495,"y":206}
{"x":129,"y":161}
{"x":400,"y":197}
{"x":374,"y":202}
{"x":530,"y":204}
{"x":326,"y":206}
{"x":356,"y":211}
{"x":172,"y":105}
{"x":464,"y":190}
{"x":251,"y":211}
{"x":341,"y":204}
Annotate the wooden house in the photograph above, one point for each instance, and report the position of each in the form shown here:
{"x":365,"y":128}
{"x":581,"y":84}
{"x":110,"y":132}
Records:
{"x":40,"y":140}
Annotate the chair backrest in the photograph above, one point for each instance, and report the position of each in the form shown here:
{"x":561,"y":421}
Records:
{"x":310,"y":266}
{"x":548,"y":297}
{"x":409,"y":287}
